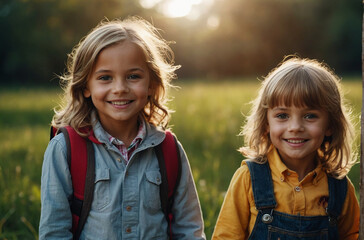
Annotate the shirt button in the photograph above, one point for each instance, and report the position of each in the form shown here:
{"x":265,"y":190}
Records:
{"x":128,"y":230}
{"x":282,"y":179}
{"x":297,"y":189}
{"x":128,"y":208}
{"x":119,"y":160}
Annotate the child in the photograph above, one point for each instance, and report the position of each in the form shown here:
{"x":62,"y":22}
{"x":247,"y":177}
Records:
{"x":115,"y":87}
{"x":298,"y":144}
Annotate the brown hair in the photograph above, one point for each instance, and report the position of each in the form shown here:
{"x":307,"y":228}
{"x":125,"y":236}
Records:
{"x":76,"y":109}
{"x":302,"y":82}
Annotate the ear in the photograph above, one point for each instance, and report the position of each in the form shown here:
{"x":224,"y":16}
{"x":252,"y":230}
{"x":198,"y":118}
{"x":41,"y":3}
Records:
{"x":328,"y":132}
{"x":150,"y":88}
{"x":86,"y":93}
{"x":150,"y":91}
{"x":267,"y":128}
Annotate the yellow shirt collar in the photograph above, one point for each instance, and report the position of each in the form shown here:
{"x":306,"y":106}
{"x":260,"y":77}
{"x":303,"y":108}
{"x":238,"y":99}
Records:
{"x":280,"y":169}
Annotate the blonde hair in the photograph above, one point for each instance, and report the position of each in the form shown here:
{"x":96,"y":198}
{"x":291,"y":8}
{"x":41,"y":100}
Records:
{"x":76,"y":109}
{"x":302,"y":82}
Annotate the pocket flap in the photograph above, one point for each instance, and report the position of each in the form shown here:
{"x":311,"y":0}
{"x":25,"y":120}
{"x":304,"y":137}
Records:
{"x":154,"y":177}
{"x":102,"y":174}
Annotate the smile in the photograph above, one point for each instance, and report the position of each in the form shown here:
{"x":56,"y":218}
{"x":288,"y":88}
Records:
{"x":296,"y":141}
{"x":120,"y":103}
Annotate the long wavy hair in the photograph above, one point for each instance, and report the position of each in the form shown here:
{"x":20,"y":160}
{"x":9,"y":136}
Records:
{"x":302,"y":82}
{"x":75,"y":109}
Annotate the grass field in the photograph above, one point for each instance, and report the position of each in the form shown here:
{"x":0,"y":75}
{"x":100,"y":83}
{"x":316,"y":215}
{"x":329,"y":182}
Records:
{"x":207,"y":121}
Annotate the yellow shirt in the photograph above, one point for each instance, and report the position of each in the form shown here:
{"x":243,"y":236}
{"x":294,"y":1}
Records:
{"x":307,"y":198}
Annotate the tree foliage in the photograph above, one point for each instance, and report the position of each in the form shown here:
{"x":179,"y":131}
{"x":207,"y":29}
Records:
{"x":251,"y":36}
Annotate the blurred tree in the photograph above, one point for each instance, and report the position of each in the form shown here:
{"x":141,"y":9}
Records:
{"x":227,"y":39}
{"x":40,"y":33}
{"x":254,"y":35}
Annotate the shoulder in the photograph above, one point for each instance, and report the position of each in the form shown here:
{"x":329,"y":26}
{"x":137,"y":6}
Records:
{"x":58,"y":142}
{"x":350,"y":214}
{"x":56,"y":150}
{"x":55,"y":165}
{"x":351,"y":193}
{"x":241,"y":177}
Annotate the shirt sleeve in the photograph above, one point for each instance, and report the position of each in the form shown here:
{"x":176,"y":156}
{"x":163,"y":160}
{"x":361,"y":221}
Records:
{"x":56,"y":189}
{"x":188,"y":221}
{"x":348,"y":222}
{"x":234,"y":218}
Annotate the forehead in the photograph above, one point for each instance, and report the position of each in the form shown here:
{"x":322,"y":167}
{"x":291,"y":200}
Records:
{"x":121,"y":55}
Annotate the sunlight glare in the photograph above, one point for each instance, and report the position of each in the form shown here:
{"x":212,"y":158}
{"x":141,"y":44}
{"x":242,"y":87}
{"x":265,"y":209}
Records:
{"x":177,"y":8}
{"x":148,"y":3}
{"x":213,"y":22}
{"x":171,"y":8}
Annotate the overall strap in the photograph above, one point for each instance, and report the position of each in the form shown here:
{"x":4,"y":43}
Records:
{"x":337,"y":195}
{"x":170,"y":168}
{"x":262,"y":185}
{"x":81,"y":161}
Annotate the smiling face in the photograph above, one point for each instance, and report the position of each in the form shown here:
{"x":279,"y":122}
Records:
{"x":119,"y":84}
{"x":297,"y":132}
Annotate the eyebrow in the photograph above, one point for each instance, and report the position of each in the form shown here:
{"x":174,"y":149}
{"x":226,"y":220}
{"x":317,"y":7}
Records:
{"x":102,"y":71}
{"x":130,"y":70}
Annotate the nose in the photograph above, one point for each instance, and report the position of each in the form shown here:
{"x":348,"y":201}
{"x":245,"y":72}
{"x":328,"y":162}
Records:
{"x":295,"y":125}
{"x":120,"y":86}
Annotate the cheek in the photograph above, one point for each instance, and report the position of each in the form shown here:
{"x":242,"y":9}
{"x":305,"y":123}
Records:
{"x":318,"y":132}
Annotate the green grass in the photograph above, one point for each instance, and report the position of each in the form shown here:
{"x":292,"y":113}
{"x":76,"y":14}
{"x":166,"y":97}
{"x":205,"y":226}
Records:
{"x":207,"y":121}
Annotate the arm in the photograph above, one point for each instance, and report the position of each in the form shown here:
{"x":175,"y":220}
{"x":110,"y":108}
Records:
{"x":348,"y":225}
{"x":56,"y":188}
{"x":188,"y":222}
{"x":234,"y":218}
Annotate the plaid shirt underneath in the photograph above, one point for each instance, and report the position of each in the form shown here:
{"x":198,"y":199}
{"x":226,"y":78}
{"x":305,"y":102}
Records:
{"x":126,"y":152}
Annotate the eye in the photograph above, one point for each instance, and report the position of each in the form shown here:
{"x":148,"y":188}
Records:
{"x":310,"y":116}
{"x":134,"y":76}
{"x":104,"y":78}
{"x":282,"y":115}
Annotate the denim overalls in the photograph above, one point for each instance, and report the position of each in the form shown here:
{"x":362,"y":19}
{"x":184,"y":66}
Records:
{"x":271,"y":224}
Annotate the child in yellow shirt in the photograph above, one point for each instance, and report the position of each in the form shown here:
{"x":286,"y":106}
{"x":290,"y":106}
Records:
{"x":298,"y":141}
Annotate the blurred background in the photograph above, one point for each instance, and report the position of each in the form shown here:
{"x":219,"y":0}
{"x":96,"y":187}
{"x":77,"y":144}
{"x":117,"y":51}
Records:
{"x":225,"y":47}
{"x":214,"y":38}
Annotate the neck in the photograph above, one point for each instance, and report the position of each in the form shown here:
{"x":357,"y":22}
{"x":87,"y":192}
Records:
{"x":125,"y":132}
{"x":302,"y":168}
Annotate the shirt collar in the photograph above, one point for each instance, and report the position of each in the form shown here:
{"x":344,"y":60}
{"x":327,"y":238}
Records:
{"x":102,"y":136}
{"x":137,"y":140}
{"x":278,"y":167}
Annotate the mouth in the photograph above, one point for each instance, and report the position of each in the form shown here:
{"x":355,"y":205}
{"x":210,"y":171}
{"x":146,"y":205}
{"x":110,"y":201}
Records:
{"x":121,"y":103}
{"x":295,"y":141}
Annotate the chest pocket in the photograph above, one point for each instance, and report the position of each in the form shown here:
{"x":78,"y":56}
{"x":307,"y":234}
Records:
{"x":282,"y":234}
{"x":102,"y":188}
{"x":152,"y":184}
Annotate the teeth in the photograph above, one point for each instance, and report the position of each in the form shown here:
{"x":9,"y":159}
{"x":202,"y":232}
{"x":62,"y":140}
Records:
{"x":120,"y":102}
{"x":295,"y":141}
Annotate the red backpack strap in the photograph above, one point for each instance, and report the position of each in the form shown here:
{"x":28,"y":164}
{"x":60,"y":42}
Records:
{"x":170,"y":167}
{"x":81,"y":161}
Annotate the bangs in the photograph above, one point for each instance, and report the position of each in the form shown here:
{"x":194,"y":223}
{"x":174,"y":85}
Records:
{"x":296,"y":88}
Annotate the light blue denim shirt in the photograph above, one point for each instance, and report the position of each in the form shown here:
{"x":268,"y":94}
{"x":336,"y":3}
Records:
{"x":126,"y":202}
